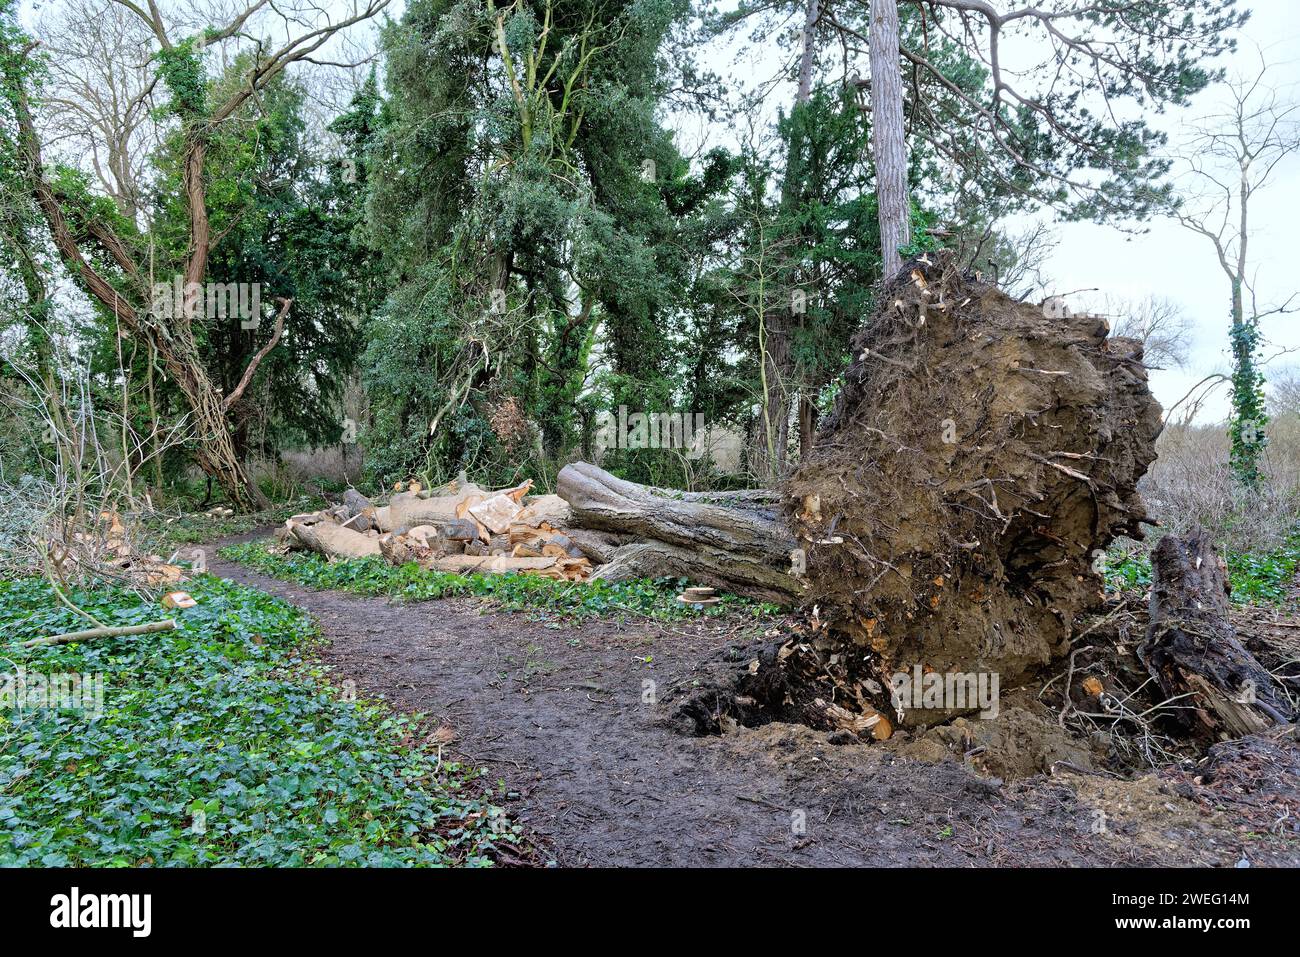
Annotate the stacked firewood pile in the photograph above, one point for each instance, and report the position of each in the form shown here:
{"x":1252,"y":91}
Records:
{"x":596,"y":526}
{"x":459,"y":528}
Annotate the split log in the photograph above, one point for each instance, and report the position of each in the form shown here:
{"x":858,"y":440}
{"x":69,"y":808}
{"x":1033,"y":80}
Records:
{"x":523,"y":540}
{"x":742,"y":550}
{"x":1192,"y":649}
{"x":360,"y":512}
{"x":561,"y":546}
{"x":495,"y":512}
{"x":545,"y":510}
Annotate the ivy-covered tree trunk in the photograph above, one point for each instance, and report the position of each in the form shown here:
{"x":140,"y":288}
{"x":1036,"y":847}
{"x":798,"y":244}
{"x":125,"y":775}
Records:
{"x":176,"y":346}
{"x":1246,"y":428}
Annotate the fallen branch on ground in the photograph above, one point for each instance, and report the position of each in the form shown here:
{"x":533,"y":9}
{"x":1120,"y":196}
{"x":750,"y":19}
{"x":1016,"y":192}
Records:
{"x":106,"y":632}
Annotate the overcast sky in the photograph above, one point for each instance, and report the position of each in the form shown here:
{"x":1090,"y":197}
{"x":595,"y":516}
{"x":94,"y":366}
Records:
{"x":1170,"y":261}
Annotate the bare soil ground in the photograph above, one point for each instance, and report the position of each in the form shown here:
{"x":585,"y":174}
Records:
{"x":556,"y":712}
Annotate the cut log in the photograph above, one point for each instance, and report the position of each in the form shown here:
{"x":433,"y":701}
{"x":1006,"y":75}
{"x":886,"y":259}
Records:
{"x":461,"y":564}
{"x":1192,"y":649}
{"x":360,"y":512}
{"x":396,"y":549}
{"x":335,"y":541}
{"x":561,"y":546}
{"x":411,"y":509}
{"x":742,"y":550}
{"x":453,"y":529}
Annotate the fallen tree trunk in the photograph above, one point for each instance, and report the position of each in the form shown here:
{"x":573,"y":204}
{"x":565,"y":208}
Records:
{"x":744,"y":574}
{"x":746,"y":550}
{"x":1192,"y":650}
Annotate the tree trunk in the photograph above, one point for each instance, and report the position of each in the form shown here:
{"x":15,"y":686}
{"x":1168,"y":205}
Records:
{"x":807,"y":423}
{"x":809,"y":50}
{"x":741,"y":546}
{"x":772,"y":436}
{"x":176,"y":346}
{"x":1191,"y":648}
{"x":889,"y":146}
{"x":768,"y":446}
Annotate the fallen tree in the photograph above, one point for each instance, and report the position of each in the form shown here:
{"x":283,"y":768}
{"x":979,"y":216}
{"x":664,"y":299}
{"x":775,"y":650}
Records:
{"x":949,"y":523}
{"x":732,"y":540}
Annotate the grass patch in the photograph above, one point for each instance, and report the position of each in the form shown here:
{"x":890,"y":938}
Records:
{"x":1256,"y":579}
{"x":374,"y":576}
{"x":218,"y":744}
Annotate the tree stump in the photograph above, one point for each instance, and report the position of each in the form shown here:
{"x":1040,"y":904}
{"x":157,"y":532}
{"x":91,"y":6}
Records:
{"x":1192,"y":649}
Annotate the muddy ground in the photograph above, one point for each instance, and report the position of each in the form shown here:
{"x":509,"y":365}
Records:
{"x":555,"y":710}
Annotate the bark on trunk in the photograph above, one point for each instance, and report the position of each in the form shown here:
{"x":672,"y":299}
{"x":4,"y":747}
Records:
{"x":1192,"y":649}
{"x":889,"y":146}
{"x":809,"y":50}
{"x":741,"y":547}
{"x":807,"y":424}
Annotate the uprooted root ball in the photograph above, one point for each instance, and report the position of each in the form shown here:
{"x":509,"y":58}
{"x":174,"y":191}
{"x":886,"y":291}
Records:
{"x":982,"y":454}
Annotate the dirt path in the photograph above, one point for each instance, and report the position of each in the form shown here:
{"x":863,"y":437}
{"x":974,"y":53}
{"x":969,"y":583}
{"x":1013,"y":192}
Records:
{"x":555,"y":711}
